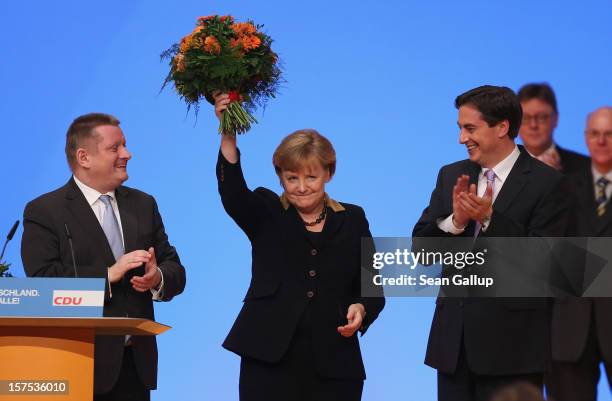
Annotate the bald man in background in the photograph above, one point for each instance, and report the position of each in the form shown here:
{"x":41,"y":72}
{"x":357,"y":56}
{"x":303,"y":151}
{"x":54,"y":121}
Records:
{"x":582,"y":327}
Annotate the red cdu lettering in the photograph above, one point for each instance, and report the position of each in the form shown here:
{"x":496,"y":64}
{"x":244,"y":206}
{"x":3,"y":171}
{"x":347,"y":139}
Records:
{"x":67,"y":301}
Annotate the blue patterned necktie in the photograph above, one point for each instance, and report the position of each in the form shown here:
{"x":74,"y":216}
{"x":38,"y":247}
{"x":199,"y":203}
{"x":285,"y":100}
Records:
{"x":601,"y":199}
{"x":110,"y":225}
{"x":490,"y":174}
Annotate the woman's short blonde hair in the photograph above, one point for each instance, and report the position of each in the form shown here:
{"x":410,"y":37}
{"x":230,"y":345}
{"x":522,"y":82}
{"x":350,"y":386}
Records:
{"x":300,"y":147}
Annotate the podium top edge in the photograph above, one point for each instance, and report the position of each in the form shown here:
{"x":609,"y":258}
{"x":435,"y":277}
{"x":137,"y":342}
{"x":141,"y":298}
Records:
{"x":101,"y":324}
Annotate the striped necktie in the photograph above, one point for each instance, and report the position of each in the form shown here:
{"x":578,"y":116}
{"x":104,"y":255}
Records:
{"x":601,"y":199}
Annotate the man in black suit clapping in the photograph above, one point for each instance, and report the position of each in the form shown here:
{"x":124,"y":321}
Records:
{"x":479,"y":345}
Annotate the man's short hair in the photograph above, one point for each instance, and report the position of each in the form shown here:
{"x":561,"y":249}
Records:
{"x":541,"y":91}
{"x":496,"y":104}
{"x":82,"y":129}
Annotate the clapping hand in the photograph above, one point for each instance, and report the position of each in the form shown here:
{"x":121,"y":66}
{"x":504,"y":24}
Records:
{"x":476,"y":207}
{"x":151,"y":278}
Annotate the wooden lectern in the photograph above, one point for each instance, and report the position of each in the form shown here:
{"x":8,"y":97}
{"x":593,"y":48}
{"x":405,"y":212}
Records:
{"x":52,"y":358}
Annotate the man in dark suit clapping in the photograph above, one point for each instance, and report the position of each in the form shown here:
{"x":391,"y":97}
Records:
{"x":481,"y":345}
{"x":118,"y":235}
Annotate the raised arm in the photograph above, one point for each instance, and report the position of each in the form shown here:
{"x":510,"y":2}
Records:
{"x":244,"y":206}
{"x":228,"y":142}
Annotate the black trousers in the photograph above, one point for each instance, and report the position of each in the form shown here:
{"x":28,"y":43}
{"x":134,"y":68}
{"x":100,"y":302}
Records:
{"x":577,"y":381}
{"x":129,"y":387}
{"x":294,"y":378}
{"x":465,"y":385}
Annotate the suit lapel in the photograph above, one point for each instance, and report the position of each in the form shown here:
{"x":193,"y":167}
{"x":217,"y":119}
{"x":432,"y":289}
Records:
{"x":333,"y":222}
{"x":473,"y":171}
{"x":81,"y":210}
{"x":514,"y":182}
{"x":563,"y":158}
{"x":605,"y":221}
{"x":129,"y":219}
{"x":602,"y":222}
{"x":585,"y":194}
{"x":585,"y":189}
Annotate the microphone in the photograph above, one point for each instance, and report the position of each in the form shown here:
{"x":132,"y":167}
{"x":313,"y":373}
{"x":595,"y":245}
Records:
{"x":9,"y":237}
{"x":76,"y":274}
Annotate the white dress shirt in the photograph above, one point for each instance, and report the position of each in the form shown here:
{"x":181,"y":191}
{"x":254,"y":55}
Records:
{"x":93,"y":198}
{"x":501,"y":170}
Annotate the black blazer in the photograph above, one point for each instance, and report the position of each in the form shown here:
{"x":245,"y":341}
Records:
{"x":501,"y":336}
{"x":572,"y":316}
{"x":289,"y":273}
{"x":572,"y":162}
{"x":45,"y":253}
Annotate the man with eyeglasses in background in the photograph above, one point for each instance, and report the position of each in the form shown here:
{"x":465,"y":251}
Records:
{"x":540,"y":117}
{"x":582,"y":327}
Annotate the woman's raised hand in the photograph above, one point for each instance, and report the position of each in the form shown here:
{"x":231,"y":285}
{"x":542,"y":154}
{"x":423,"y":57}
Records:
{"x":221,"y":102}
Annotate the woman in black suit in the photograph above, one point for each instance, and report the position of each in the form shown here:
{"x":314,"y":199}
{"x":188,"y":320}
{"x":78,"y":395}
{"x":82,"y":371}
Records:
{"x":296,"y":330}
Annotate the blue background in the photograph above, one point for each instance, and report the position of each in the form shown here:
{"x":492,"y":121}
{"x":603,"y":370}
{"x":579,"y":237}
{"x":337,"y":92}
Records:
{"x":377,"y":78}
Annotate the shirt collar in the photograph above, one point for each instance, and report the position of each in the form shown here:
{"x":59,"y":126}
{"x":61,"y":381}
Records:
{"x":503,"y":168}
{"x":551,"y":148}
{"x":597,"y":175}
{"x":91,"y":195}
{"x":332,"y":204}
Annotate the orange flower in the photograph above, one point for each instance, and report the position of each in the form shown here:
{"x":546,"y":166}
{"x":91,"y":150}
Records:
{"x":179,"y":62}
{"x":244,"y":28}
{"x":190,"y":42}
{"x":226,"y":17}
{"x":250,"y":42}
{"x":197,"y":29}
{"x":246,"y":43}
{"x":186,"y":43}
{"x":211,"y":45}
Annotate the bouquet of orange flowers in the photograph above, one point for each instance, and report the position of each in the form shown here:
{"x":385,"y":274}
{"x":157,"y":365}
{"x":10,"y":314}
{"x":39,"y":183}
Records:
{"x":221,"y":55}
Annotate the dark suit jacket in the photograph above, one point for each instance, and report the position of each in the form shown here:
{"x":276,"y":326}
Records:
{"x":286,"y":266}
{"x":572,"y":162}
{"x":45,"y":253}
{"x":501,"y":336}
{"x":572,"y":316}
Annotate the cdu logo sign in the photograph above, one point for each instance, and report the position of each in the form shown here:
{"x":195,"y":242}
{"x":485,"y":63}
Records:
{"x":63,"y":301}
{"x":78,"y":298}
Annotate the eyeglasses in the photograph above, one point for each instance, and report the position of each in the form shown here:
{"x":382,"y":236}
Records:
{"x":538,"y":118}
{"x":596,"y":135}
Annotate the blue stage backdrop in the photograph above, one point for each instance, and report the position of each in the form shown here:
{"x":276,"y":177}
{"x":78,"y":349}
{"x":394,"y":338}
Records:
{"x":377,"y":78}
